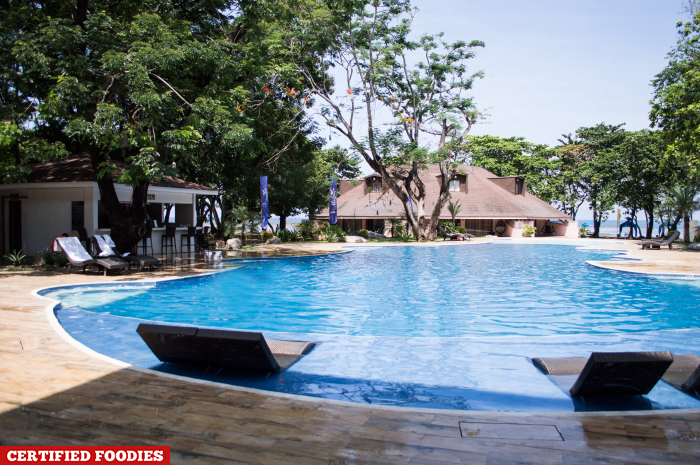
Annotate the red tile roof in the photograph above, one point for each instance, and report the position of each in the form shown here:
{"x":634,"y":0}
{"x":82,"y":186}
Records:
{"x":78,"y":168}
{"x":485,"y":199}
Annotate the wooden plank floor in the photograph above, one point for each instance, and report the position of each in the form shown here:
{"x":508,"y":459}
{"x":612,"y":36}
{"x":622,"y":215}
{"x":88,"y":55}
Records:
{"x":54,"y":394}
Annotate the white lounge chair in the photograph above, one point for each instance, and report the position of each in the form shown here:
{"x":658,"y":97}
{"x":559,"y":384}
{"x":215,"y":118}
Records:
{"x":78,"y":256}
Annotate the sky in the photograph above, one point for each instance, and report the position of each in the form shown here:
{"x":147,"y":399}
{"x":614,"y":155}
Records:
{"x":553,"y":66}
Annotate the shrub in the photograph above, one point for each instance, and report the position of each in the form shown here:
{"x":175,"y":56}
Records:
{"x":266,"y":236}
{"x":697,"y":238}
{"x":15,"y":258}
{"x":529,"y":231}
{"x":363,"y":233}
{"x":307,"y":228}
{"x":59,"y":259}
{"x":405,"y":237}
{"x":460,"y":229}
{"x":583,"y":231}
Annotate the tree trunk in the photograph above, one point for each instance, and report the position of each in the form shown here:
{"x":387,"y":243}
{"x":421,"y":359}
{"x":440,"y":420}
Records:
{"x":168,"y":209}
{"x":242,"y":233}
{"x":674,"y":225}
{"x":686,"y":228}
{"x":283,"y":222}
{"x":127,"y":229}
{"x":650,"y":222}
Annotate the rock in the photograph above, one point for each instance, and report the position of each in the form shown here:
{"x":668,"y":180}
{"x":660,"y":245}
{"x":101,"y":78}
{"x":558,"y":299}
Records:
{"x":374,"y":235}
{"x":220,"y":244}
{"x":43,"y":258}
{"x":233,"y":244}
{"x":355,"y":239}
{"x":274,"y":240}
{"x":694,"y":246}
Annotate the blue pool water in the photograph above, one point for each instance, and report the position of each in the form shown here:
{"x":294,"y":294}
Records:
{"x":442,"y":327}
{"x":526,"y":290}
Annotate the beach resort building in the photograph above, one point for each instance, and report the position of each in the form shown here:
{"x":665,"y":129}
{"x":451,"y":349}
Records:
{"x":63,"y":196}
{"x":488,"y":204}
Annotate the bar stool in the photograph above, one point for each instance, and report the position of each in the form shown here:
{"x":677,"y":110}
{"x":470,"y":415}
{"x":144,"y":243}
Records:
{"x":147,"y":240}
{"x":191,"y":233}
{"x":170,"y":236}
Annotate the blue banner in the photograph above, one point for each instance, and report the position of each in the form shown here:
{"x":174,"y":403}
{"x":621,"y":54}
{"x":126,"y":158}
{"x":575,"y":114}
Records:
{"x":264,"y":201}
{"x":333,"y":209}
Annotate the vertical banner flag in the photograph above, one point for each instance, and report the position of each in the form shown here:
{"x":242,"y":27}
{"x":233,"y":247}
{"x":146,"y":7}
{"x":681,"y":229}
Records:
{"x":264,"y":201}
{"x":333,"y":208}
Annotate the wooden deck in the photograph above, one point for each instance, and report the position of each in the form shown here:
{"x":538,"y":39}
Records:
{"x":55,"y":394}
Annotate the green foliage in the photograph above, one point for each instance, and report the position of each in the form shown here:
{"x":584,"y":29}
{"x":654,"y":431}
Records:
{"x":460,"y":229}
{"x":15,"y":257}
{"x":239,"y":220}
{"x":583,"y":231}
{"x":60,"y":259}
{"x":396,"y":225}
{"x":422,"y":82}
{"x":529,"y":231}
{"x":453,"y":208}
{"x":363,"y":233}
{"x":677,"y":96}
{"x":514,"y":156}
{"x":307,"y":228}
{"x":405,"y":236}
{"x":204,"y":91}
{"x":589,"y":163}
{"x":266,"y":236}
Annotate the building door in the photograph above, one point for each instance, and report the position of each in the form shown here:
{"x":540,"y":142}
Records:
{"x":15,"y":225}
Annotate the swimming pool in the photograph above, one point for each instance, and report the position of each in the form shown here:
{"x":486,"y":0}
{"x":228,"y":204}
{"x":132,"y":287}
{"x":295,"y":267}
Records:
{"x":451,"y":322}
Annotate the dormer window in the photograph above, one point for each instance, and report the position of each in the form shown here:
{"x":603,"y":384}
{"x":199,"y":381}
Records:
{"x":454,"y":185}
{"x":376,"y":184}
{"x":519,"y":184}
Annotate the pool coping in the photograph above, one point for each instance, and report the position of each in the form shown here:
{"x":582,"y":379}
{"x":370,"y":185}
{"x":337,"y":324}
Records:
{"x":58,"y":328}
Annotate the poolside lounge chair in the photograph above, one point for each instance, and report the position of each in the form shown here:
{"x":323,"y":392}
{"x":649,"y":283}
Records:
{"x":78,"y":256}
{"x":684,"y":373}
{"x":219,"y":347}
{"x":445,"y":235}
{"x":464,"y":236}
{"x":106,"y":245}
{"x":658,"y":243}
{"x":610,"y":373}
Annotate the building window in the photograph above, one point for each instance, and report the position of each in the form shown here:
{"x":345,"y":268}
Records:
{"x":454,"y":185}
{"x":376,"y":185}
{"x":519,"y":186}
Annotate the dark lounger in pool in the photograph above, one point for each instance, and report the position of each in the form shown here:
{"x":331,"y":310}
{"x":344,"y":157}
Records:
{"x":611,"y":373}
{"x":684,"y":373}
{"x":220,"y":347}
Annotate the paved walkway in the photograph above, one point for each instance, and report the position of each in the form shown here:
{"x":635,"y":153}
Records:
{"x":55,"y":394}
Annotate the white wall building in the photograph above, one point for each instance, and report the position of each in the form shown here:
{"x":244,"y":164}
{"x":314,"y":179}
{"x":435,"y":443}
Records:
{"x":62,"y":196}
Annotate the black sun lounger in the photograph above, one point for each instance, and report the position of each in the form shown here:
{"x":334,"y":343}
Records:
{"x":452,"y":237}
{"x":241,"y":350}
{"x":105,"y":243}
{"x":610,"y":373}
{"x":684,"y":373}
{"x":78,"y":256}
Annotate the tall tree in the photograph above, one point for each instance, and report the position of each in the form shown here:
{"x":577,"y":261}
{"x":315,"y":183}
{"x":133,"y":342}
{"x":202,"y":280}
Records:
{"x":643,"y":176}
{"x":596,"y":166}
{"x":677,"y":95}
{"x":379,"y":80}
{"x":154,"y":84}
